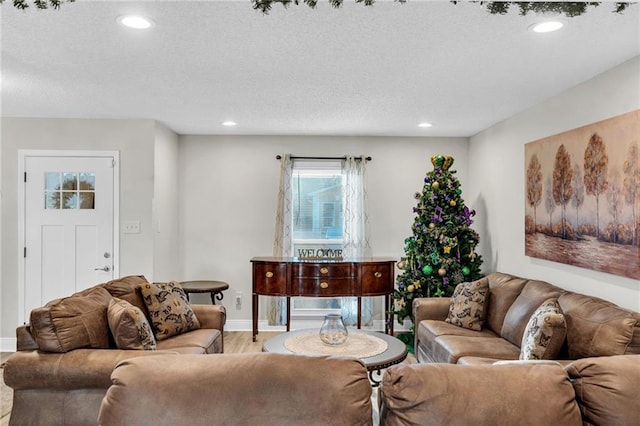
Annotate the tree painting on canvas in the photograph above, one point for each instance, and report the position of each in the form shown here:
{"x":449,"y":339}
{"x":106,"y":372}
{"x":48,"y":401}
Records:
{"x":582,"y":196}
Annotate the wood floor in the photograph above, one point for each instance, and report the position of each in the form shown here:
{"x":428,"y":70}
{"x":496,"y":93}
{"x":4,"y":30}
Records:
{"x":236,"y":342}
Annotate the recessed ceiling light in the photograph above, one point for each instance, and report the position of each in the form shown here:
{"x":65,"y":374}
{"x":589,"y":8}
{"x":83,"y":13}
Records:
{"x":135,"y":21}
{"x":547,"y":26}
{"x":425,"y":125}
{"x":229,"y":123}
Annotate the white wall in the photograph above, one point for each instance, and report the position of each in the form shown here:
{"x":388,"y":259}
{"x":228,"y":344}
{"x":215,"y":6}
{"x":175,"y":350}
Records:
{"x":135,"y":141}
{"x":496,"y":170}
{"x":166,"y":254}
{"x":229,"y":186}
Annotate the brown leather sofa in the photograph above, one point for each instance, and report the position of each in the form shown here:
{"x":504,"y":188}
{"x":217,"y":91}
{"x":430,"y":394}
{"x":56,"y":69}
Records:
{"x":600,"y":391}
{"x":238,"y":389}
{"x":54,"y":387}
{"x":594,"y":327}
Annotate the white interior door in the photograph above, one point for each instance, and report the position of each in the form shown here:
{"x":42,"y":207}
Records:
{"x":69,"y":225}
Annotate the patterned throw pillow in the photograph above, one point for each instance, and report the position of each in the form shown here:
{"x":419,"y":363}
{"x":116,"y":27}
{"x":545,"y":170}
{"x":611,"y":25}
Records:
{"x":467,"y":304}
{"x":129,"y":326}
{"x":169,"y":309}
{"x":545,"y":332}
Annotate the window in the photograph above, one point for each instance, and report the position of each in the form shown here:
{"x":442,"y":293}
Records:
{"x":317,"y":222}
{"x":69,"y":190}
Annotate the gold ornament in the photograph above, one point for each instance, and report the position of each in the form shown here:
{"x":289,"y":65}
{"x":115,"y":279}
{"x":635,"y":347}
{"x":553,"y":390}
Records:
{"x":452,"y":203}
{"x":432,"y":225}
{"x":447,"y":250}
{"x":442,"y":272}
{"x":410,"y":288}
{"x":435,"y":185}
{"x":401,"y":265}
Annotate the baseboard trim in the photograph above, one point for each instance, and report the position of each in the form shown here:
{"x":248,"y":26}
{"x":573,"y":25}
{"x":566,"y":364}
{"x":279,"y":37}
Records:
{"x":246,"y":325}
{"x":8,"y":344}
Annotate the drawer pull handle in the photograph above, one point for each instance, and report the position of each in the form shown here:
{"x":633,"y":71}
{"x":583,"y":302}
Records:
{"x":324,"y":285}
{"x":324,"y":270}
{"x":377,"y":274}
{"x":269,"y":274}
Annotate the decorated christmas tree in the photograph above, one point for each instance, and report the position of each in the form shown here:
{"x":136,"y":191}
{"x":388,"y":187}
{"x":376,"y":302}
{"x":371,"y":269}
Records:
{"x":441,"y":252}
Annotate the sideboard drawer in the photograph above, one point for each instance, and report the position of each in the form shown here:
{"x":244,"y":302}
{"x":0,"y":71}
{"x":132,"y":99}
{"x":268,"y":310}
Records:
{"x":322,"y":287}
{"x":377,"y":278}
{"x":270,"y":278}
{"x":323,"y":270}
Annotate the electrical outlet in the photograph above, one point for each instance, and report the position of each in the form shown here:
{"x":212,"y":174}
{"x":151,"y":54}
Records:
{"x":238,"y":299}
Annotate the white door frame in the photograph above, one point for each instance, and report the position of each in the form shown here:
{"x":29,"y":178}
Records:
{"x":23,"y":154}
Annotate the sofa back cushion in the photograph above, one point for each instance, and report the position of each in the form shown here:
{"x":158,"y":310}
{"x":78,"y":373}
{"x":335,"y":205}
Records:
{"x":128,"y":288}
{"x":447,"y":394}
{"x":596,"y":327}
{"x":73,"y":322}
{"x":503,"y":291}
{"x":238,"y":389}
{"x":607,"y":389}
{"x":529,"y":299}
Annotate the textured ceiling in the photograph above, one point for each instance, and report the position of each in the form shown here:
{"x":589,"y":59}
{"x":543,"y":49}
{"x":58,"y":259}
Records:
{"x":353,"y":71}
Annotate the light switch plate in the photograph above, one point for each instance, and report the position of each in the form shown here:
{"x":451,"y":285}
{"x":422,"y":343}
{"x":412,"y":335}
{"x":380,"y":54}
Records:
{"x":131,"y":227}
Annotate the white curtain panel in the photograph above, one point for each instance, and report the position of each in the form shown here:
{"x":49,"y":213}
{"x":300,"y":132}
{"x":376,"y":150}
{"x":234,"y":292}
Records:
{"x":283,"y":239}
{"x":356,"y":231}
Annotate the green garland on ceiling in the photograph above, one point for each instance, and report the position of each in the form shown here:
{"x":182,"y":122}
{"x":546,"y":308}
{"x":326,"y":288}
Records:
{"x":569,"y":9}
{"x":39,"y":4}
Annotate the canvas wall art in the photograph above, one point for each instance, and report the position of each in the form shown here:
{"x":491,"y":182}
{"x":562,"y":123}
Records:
{"x":582,"y":196}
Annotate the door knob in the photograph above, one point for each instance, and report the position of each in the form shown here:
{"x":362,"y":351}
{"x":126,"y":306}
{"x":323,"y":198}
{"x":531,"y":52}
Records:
{"x":105,"y":268}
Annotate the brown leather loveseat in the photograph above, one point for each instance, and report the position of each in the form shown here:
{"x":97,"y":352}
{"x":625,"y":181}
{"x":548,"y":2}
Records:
{"x":594,"y":327}
{"x":54,"y":385}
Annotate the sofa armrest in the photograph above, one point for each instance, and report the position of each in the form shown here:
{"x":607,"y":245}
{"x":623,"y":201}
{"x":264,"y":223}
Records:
{"x":430,"y":308}
{"x":210,"y":316}
{"x":448,"y":394}
{"x":24,"y":339}
{"x":77,"y":369}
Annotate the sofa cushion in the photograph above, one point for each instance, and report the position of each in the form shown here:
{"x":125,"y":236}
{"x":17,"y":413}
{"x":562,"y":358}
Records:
{"x":503,"y":291}
{"x":428,"y":330}
{"x":545,"y":332}
{"x":596,"y":327}
{"x":169,"y":309}
{"x":129,"y":326}
{"x":73,"y":322}
{"x":203,"y":340}
{"x":128,"y":288}
{"x":467,"y":304}
{"x":449,"y":349}
{"x":529,"y":299}
{"x":607,"y":389}
{"x":479,"y":395}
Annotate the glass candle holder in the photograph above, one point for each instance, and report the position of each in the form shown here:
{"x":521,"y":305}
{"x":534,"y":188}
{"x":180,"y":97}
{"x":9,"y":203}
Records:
{"x":333,"y":330}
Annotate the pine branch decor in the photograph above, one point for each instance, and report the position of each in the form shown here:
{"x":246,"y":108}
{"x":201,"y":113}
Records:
{"x":441,"y":252}
{"x":569,"y":9}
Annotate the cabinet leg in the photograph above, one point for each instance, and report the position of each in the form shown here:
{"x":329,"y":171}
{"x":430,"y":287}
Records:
{"x":255,"y":315}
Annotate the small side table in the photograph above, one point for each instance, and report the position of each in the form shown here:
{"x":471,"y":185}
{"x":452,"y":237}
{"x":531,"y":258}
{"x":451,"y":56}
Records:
{"x":205,"y":286}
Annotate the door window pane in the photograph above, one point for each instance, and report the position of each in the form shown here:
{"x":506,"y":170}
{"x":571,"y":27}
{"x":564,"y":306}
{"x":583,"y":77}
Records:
{"x":69,"y":190}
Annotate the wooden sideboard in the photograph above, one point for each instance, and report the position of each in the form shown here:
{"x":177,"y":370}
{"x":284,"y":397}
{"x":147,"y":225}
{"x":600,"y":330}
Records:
{"x":289,"y":277}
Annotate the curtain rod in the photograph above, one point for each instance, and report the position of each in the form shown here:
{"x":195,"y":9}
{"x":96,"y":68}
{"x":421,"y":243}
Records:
{"x":279,"y":157}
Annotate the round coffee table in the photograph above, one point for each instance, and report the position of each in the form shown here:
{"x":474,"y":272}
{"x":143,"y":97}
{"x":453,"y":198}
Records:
{"x":395,"y":352}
